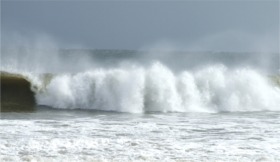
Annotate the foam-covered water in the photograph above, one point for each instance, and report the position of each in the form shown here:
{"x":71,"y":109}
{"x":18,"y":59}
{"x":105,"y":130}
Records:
{"x":52,"y":135}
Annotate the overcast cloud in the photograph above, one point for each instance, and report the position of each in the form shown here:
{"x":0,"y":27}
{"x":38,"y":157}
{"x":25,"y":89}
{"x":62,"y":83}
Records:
{"x":194,"y":25}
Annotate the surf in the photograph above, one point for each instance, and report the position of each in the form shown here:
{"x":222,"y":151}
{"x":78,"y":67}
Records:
{"x":156,"y":88}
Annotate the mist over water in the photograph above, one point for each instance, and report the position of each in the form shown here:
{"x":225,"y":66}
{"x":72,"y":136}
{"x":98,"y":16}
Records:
{"x":159,"y":79}
{"x":43,"y":54}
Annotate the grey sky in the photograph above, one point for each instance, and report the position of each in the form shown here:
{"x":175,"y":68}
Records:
{"x":203,"y":25}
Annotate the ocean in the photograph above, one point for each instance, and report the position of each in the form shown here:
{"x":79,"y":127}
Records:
{"x":126,"y":105}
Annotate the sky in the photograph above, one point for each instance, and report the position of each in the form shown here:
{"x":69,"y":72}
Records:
{"x":214,"y":25}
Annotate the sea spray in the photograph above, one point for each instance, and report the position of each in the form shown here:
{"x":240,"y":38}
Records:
{"x":161,"y":93}
{"x":109,"y":90}
{"x":158,"y":89}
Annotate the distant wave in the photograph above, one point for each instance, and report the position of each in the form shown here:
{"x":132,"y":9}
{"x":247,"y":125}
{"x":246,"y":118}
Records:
{"x":157,"y":89}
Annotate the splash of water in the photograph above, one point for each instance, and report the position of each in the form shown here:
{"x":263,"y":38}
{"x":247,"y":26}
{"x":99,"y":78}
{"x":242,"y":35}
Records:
{"x":157,"y":89}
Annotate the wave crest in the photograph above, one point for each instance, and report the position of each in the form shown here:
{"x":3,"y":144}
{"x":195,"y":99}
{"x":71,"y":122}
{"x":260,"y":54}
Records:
{"x":157,"y":89}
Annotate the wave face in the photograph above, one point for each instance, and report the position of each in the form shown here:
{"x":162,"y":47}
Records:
{"x":16,"y":94}
{"x":158,"y":89}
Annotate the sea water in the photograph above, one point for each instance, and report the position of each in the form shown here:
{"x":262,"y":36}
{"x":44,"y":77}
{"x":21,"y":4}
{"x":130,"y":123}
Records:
{"x":75,"y":135}
{"x":130,"y":108}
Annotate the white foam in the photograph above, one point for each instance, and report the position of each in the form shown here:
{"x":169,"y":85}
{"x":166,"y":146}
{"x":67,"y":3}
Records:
{"x":157,"y":88}
{"x":110,"y":90}
{"x":75,"y":136}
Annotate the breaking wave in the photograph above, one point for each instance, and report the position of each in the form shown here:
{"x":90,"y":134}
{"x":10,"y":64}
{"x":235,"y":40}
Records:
{"x":158,"y":89}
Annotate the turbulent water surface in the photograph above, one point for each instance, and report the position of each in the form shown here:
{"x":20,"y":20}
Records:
{"x":61,"y":135}
{"x":80,"y":135}
{"x":121,"y":107}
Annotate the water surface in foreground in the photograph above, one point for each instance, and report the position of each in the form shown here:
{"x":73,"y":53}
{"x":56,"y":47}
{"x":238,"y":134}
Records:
{"x":78,"y":135}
